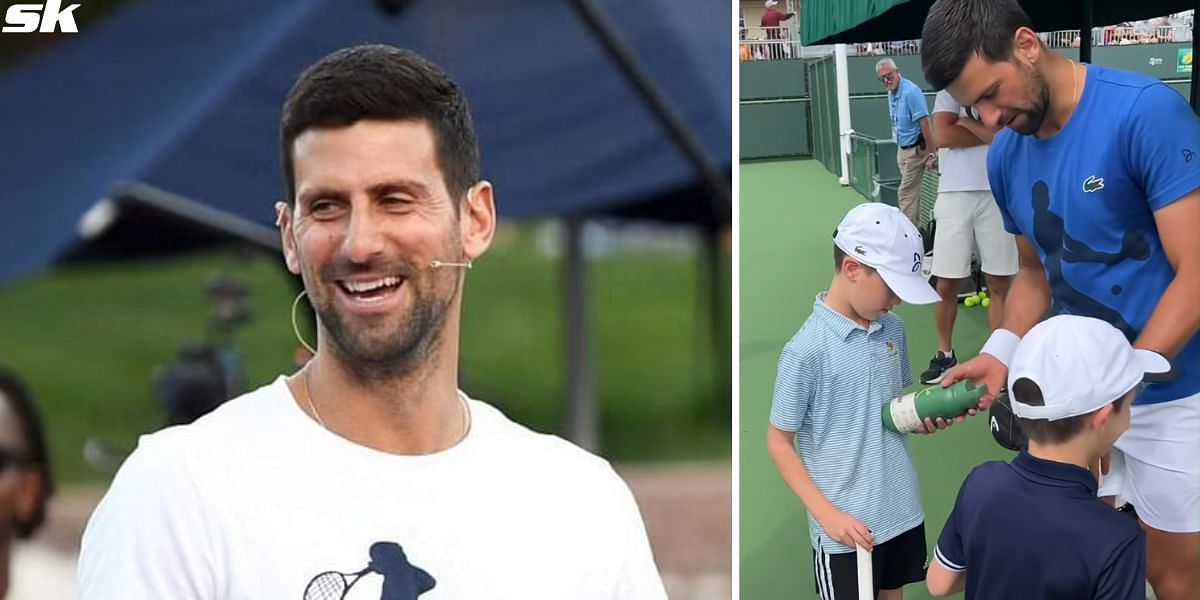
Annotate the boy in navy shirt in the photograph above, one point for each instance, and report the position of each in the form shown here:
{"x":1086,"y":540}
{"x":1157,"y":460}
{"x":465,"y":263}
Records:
{"x":1035,"y":528}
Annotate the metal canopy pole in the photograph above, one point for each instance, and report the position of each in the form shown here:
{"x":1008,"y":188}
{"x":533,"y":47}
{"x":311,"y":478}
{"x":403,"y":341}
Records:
{"x":719,"y":346}
{"x":581,"y":426}
{"x":842,"y":76}
{"x":1085,"y":31}
{"x":1195,"y":95}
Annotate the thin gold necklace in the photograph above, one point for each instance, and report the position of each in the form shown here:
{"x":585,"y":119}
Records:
{"x":1074,"y":84}
{"x":466,"y":411}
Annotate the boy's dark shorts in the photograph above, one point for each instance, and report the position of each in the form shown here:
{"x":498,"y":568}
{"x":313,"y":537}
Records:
{"x":896,"y":563}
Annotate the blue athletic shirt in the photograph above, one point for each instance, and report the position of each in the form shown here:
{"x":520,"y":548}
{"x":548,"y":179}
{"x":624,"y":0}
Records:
{"x":1085,"y":198}
{"x":907,"y":107}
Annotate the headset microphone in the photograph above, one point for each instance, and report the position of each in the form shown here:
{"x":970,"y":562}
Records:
{"x":438,"y":264}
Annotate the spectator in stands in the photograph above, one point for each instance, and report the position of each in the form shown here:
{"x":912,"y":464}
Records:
{"x":771,"y":23}
{"x":1110,"y":35}
{"x":25,"y":480}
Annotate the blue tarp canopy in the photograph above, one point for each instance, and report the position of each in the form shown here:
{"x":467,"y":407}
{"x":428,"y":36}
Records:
{"x":173,"y":106}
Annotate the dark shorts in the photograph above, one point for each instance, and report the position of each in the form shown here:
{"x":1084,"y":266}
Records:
{"x":896,"y":563}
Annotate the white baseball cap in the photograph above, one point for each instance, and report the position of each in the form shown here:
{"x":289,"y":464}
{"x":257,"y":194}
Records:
{"x":1080,"y":364}
{"x":770,"y":3}
{"x":880,"y":236}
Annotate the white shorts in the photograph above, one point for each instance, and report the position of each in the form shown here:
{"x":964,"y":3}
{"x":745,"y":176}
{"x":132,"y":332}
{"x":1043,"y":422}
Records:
{"x":1156,"y":465}
{"x":965,"y":219}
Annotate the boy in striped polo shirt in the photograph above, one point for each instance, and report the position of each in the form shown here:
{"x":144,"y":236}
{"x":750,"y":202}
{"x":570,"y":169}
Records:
{"x":826,"y":435}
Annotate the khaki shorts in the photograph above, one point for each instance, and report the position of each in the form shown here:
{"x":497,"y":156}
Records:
{"x":966,"y":220}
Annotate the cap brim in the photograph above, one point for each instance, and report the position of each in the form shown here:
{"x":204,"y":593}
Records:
{"x":910,"y":287}
{"x":1156,"y":367}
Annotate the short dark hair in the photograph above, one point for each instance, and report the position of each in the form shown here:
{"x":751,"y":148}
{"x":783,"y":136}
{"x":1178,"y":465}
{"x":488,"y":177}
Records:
{"x":384,"y":83}
{"x":956,"y":29}
{"x":24,"y":407}
{"x":1045,"y":431}
{"x":839,"y":255}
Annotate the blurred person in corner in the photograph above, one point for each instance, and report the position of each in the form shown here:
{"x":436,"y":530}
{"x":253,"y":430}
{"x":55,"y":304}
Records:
{"x":25,"y":480}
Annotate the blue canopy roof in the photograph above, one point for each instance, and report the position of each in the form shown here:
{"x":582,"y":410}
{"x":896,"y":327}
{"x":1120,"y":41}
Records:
{"x":184,"y":97}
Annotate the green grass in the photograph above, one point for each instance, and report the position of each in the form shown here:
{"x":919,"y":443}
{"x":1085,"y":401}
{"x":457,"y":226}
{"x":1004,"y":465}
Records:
{"x":88,"y":339}
{"x":653,"y":360}
{"x":788,"y":213}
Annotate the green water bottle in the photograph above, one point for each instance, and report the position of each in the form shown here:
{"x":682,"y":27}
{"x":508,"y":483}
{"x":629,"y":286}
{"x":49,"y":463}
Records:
{"x":906,"y":413}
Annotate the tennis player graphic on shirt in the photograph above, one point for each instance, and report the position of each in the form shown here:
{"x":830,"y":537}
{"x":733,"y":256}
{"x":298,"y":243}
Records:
{"x":1049,"y":231}
{"x":402,"y":580}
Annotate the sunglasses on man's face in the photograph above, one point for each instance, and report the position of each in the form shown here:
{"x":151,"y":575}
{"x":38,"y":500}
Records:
{"x":887,"y":77}
{"x":12,"y":459}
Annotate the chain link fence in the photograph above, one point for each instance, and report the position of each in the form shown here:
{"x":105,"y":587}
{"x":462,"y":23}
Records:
{"x":873,"y":175}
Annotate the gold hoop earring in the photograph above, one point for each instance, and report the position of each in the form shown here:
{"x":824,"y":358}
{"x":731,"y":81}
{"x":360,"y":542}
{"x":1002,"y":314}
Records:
{"x":296,"y":325}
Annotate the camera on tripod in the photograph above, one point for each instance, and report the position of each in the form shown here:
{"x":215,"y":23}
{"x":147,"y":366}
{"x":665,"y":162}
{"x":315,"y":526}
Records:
{"x":207,"y":374}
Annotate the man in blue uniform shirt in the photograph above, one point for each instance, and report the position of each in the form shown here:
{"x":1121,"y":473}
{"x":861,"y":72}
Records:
{"x":911,"y":130}
{"x":1099,"y":179}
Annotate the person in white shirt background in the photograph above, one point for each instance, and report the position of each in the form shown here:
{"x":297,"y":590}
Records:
{"x":966,"y":218}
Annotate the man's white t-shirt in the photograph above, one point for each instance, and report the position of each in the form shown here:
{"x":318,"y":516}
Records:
{"x":256,"y":499}
{"x":961,"y":169}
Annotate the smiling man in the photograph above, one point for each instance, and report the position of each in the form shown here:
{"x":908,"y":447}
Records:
{"x":1096,"y":176}
{"x":297,"y":489}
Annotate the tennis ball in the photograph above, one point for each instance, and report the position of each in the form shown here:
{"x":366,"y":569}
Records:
{"x":971,"y":301}
{"x":982,"y":294}
{"x":986,"y":302}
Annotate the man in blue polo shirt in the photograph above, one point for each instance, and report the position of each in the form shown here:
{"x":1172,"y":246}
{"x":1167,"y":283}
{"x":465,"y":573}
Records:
{"x":1098,"y":175}
{"x":911,"y":131}
{"x":1035,"y":528}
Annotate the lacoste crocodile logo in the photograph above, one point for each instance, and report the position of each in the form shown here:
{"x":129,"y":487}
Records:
{"x":1093,"y":184}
